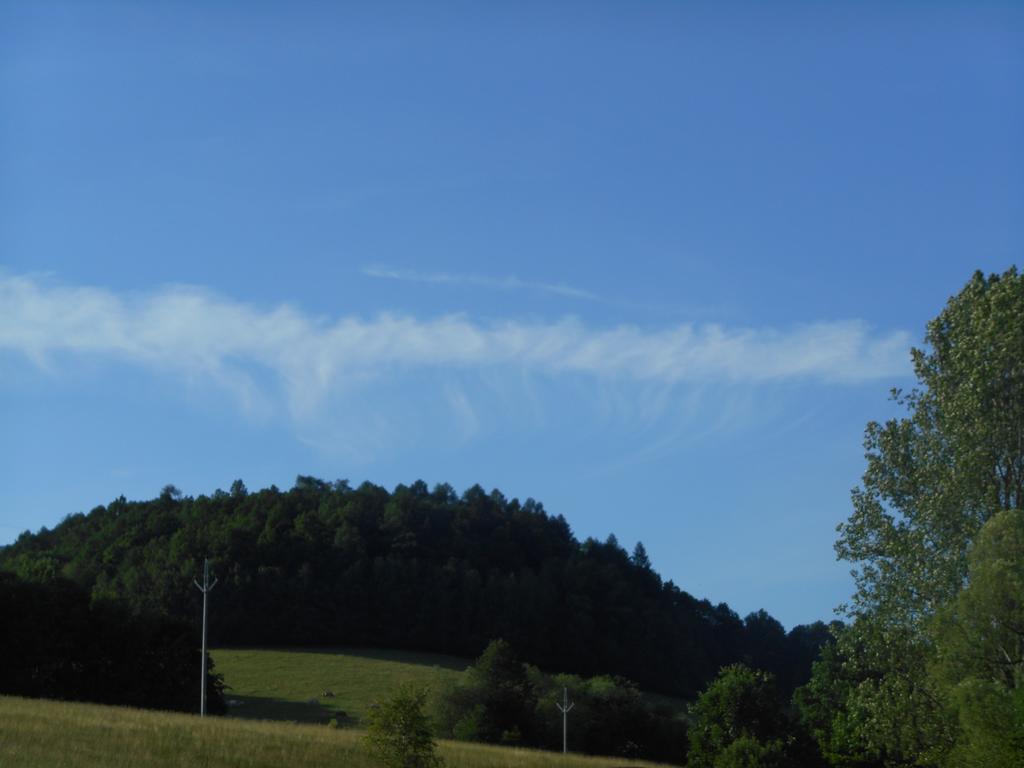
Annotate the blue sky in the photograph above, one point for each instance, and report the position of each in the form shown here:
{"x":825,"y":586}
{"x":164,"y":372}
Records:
{"x":654,"y":265}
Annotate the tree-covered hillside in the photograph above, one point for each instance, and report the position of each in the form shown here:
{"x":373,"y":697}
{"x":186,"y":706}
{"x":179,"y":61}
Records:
{"x":327,"y":564}
{"x":57,"y":643}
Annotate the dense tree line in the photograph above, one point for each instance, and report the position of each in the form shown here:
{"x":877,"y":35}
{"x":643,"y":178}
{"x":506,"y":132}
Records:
{"x":57,"y":643}
{"x":418,"y":568}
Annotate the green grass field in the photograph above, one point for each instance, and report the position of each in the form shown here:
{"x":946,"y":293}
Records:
{"x":280,"y":684}
{"x":47,"y":734}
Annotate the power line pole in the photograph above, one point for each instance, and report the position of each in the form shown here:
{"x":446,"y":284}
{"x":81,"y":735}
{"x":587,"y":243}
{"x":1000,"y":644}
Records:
{"x":564,"y":708}
{"x":206,"y":587}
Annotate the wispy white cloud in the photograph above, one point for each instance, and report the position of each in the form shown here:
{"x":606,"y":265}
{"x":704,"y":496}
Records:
{"x":465,"y":416}
{"x":201,"y":334}
{"x":508,"y":283}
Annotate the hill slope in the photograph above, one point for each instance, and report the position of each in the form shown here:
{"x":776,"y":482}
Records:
{"x":281,"y":684}
{"x":47,"y":734}
{"x":328,"y":565}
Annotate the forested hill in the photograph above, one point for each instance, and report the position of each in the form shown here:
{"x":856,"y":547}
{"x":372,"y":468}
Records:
{"x":326,"y":564}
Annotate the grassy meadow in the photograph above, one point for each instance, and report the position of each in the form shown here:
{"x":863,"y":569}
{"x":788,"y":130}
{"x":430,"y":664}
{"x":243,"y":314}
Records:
{"x":280,"y":684}
{"x":47,"y":734}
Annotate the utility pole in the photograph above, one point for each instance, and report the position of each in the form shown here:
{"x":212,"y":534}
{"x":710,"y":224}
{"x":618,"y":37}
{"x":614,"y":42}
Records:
{"x":206,"y":587}
{"x":564,"y":708}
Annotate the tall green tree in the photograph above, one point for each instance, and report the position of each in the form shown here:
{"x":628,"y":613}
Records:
{"x":979,"y":643}
{"x":495,"y":702}
{"x":933,"y":478}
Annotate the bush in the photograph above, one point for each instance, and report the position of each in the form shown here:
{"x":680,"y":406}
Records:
{"x":735,"y":720}
{"x":398,"y":731}
{"x":746,"y":752}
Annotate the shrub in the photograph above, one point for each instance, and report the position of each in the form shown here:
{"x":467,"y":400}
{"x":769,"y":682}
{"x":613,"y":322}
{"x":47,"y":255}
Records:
{"x":735,"y":720}
{"x":398,"y":731}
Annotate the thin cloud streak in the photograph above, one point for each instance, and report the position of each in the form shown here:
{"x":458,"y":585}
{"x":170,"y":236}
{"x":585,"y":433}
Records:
{"x":510,"y":283}
{"x":201,"y":334}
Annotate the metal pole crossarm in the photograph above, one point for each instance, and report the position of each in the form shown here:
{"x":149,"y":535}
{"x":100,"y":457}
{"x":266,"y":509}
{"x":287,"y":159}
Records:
{"x":205,"y":588}
{"x":564,"y":708}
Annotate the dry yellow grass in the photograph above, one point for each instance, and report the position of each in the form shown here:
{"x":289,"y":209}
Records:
{"x":49,"y":734}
